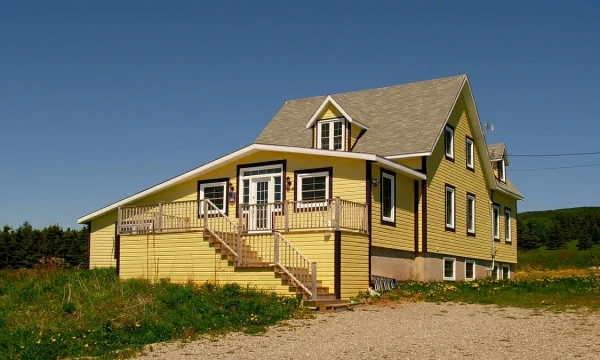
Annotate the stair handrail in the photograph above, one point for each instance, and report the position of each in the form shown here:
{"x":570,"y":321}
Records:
{"x":209,"y":205}
{"x":312,"y":266}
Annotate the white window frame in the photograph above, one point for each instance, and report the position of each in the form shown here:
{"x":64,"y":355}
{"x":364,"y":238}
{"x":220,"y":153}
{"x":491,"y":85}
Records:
{"x":474,"y":268}
{"x":505,"y":266}
{"x":501,"y":170}
{"x":331,"y":125}
{"x":507,"y":225}
{"x":470,"y":152}
{"x":496,"y":221}
{"x":272,"y":177}
{"x":473,"y":214}
{"x":449,"y":152}
{"x":214,"y":184}
{"x":453,"y":277}
{"x":302,"y":176}
{"x":452,"y":223}
{"x":392,"y":218}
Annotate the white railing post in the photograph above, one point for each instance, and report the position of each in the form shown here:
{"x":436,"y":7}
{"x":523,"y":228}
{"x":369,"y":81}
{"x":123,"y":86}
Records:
{"x":314,"y":281}
{"x":286,"y":216}
{"x":276,"y":249}
{"x":240,"y":249}
{"x":338,"y":212}
{"x":205,"y":214}
{"x":160,"y":216}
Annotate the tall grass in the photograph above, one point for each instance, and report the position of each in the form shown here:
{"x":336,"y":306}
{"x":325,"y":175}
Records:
{"x":53,"y":314}
{"x":570,"y":258}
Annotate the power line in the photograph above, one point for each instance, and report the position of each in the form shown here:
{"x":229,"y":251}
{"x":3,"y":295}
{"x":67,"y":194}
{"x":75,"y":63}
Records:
{"x":554,"y":155}
{"x":556,"y":168}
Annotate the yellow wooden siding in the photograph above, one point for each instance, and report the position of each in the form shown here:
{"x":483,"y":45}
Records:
{"x":329,"y":112}
{"x":319,"y":248}
{"x":102,"y":243}
{"x":506,"y":252}
{"x":354,"y":264}
{"x":184,"y":257}
{"x":401,"y":236}
{"x":440,"y":172}
{"x":413,"y":163}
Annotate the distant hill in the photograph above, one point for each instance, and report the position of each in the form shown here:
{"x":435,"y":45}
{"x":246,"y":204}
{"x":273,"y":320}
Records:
{"x":554,"y":229}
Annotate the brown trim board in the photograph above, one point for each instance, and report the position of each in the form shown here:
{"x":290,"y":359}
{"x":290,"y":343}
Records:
{"x":424,"y":205}
{"x":416,"y":209}
{"x":226,"y":195}
{"x":368,"y":173}
{"x":337,"y":267}
{"x":89,"y":244}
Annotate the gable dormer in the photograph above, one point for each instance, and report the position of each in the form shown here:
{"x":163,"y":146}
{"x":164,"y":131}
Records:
{"x":499,"y":159}
{"x":334,"y":127}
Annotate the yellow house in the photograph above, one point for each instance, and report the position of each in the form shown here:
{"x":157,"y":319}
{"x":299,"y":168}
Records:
{"x":336,"y":193}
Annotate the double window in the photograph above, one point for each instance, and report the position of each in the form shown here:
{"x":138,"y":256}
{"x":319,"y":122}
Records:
{"x":449,"y":142}
{"x":450,"y":207}
{"x":216,"y":192}
{"x":313,"y":187}
{"x":496,"y":221}
{"x":470,"y":154}
{"x":388,"y":197}
{"x":507,"y":225}
{"x":449,"y":269}
{"x":470,"y":214}
{"x":330,"y":134}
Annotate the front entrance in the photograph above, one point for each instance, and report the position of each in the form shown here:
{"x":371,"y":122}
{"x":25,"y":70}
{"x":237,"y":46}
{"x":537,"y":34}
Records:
{"x":259,"y":212}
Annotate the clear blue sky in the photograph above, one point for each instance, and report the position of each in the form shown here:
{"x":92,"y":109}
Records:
{"x":100,"y":100}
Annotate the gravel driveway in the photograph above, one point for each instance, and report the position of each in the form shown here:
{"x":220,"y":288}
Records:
{"x":409,"y":331}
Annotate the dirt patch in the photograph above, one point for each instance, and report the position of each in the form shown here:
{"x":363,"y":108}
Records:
{"x":409,"y":331}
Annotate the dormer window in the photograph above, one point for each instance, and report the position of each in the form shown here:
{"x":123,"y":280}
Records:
{"x":501,"y":171}
{"x":330,"y":134}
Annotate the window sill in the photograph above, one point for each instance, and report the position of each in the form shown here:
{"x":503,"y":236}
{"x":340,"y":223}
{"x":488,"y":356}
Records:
{"x":449,"y":158}
{"x":450,"y":229}
{"x":449,"y":279}
{"x":471,"y":234}
{"x":496,"y":239}
{"x":388,"y":223}
{"x":471,"y":169}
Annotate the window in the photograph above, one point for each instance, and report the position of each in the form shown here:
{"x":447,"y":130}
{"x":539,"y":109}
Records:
{"x":216,"y":192}
{"x":496,"y":222}
{"x":388,"y":197}
{"x":506,"y":272}
{"x":331,"y":134}
{"x":469,"y":270}
{"x":270,"y":172}
{"x":507,"y":225}
{"x":449,"y":268}
{"x":449,"y":142}
{"x":313,"y":186}
{"x":470,"y":214}
{"x":495,"y":273}
{"x":450,"y":208}
{"x":501,"y":171}
{"x":470,"y":154}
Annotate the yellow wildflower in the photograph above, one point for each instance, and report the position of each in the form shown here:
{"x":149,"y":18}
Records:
{"x":85,"y":345}
{"x":39,"y":341}
{"x":137,"y":324}
{"x":53,"y":339}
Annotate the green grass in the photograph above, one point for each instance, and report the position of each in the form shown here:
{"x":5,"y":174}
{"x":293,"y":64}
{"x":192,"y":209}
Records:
{"x":550,"y":293}
{"x":54,"y":314}
{"x":569,"y":258}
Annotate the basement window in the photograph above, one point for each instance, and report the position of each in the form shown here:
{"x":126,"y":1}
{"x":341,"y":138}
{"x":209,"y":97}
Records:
{"x":449,"y":269}
{"x":469,"y":270}
{"x":506,"y":272}
{"x":330,"y":134}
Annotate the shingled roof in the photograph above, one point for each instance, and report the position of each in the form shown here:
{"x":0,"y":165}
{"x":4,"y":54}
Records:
{"x":402,"y":119}
{"x":496,"y":151}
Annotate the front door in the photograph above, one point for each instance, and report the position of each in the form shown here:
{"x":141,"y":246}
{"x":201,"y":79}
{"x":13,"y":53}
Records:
{"x":259,"y":212}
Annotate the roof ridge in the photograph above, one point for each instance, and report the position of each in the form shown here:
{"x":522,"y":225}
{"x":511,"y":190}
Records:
{"x":379,"y":88}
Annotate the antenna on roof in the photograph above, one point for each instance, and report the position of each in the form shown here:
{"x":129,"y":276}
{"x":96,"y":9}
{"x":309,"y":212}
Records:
{"x":488,"y":128}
